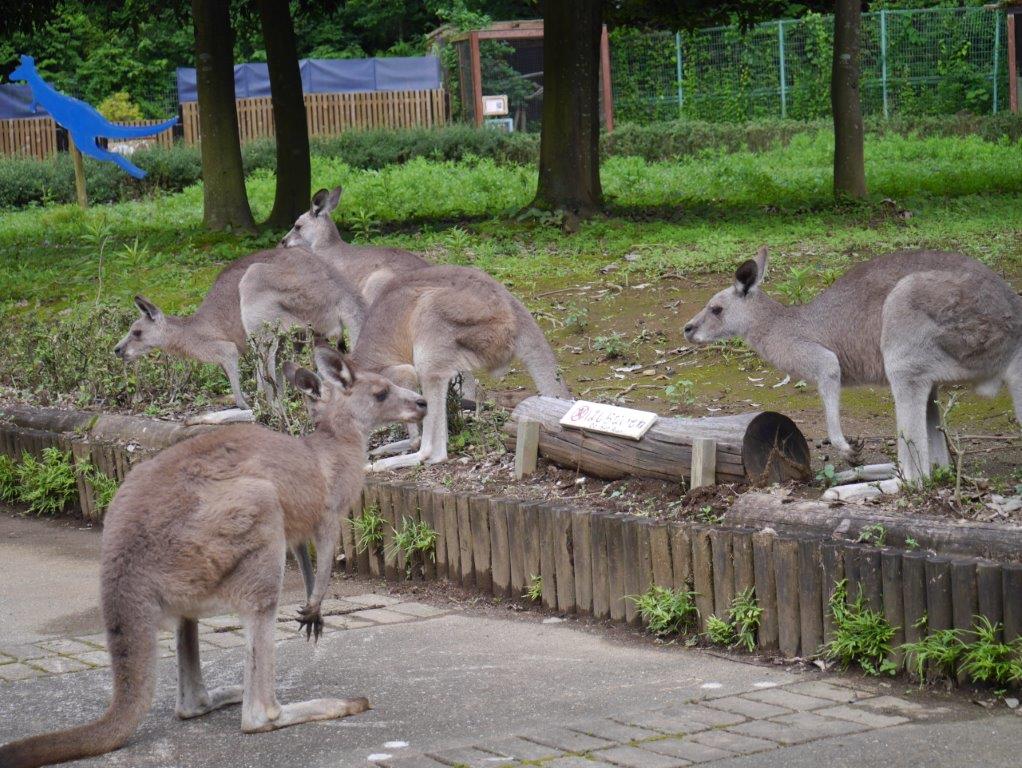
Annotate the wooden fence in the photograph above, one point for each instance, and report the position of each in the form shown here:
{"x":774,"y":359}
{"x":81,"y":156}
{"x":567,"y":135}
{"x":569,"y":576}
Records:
{"x":329,"y":114}
{"x":37,"y":137}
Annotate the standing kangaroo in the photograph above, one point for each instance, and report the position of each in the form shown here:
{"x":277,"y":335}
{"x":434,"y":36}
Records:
{"x":203,"y":527}
{"x":429,"y":324}
{"x":913,"y":319}
{"x":82,"y":121}
{"x":289,"y":287}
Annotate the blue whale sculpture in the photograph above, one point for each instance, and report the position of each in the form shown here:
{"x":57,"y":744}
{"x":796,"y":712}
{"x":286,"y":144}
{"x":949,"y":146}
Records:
{"x":82,"y":121}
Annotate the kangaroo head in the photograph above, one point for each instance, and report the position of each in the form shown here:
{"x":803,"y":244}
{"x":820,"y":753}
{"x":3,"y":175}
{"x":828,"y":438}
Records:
{"x":148,"y":332}
{"x":338,"y":388}
{"x":729,"y":313}
{"x":23,"y":70}
{"x":315,"y":228}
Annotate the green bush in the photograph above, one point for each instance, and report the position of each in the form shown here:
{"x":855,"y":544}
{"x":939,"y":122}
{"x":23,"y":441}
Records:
{"x":46,"y":484}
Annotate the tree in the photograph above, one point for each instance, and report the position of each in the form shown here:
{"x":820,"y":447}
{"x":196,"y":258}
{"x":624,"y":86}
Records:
{"x":849,"y":158}
{"x":569,"y":157}
{"x":224,"y":200}
{"x":294,"y":172}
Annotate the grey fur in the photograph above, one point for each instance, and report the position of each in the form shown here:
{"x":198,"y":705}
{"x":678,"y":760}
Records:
{"x":913,"y":319}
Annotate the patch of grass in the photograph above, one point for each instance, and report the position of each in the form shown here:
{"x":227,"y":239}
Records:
{"x":987,"y":659}
{"x":862,"y":636}
{"x":368,"y":528}
{"x":534,"y":590}
{"x":8,"y":478}
{"x":414,"y":537}
{"x":827,"y":476}
{"x":935,"y":655}
{"x":104,"y":487}
{"x":875,"y":535}
{"x":719,"y":631}
{"x":666,"y":611}
{"x":613,"y":346}
{"x":48,"y":484}
{"x":740,"y":625}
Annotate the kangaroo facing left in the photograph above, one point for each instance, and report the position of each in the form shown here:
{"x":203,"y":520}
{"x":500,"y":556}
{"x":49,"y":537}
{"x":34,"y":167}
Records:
{"x":202,"y":528}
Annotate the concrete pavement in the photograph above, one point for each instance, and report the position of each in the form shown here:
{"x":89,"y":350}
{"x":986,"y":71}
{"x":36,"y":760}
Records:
{"x":453,"y":685}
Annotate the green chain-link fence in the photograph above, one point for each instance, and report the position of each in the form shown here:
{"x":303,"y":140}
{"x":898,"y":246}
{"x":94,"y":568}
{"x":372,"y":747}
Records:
{"x":927,"y":61}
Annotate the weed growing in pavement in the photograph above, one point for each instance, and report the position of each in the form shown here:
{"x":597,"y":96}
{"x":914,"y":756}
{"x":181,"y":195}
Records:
{"x":534,"y":591}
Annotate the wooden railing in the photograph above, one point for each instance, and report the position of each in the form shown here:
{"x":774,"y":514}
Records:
{"x":28,"y":137}
{"x":329,"y":114}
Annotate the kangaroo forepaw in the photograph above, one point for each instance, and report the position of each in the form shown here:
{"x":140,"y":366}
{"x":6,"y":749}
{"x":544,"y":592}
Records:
{"x":853,"y":453}
{"x":311,"y":621}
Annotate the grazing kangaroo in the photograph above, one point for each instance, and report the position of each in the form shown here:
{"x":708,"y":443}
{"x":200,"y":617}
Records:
{"x":203,"y":527}
{"x":430,"y":324}
{"x":913,"y":319}
{"x":292,"y":287}
{"x":82,"y":121}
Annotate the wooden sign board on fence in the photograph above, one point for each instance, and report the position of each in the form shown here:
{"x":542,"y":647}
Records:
{"x":608,"y":419}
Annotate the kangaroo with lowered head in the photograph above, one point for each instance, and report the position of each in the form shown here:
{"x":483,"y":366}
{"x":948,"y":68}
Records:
{"x":292,"y":288}
{"x":913,"y":319}
{"x":429,"y":324}
{"x":202,"y":528}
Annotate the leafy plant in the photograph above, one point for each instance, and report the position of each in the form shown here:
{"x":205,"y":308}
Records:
{"x":796,"y":287}
{"x":719,"y":631}
{"x":534,"y":591}
{"x":861,"y":635}
{"x":414,"y":537}
{"x":708,"y":516}
{"x":46,"y":484}
{"x":874,"y":534}
{"x":911,"y":544}
{"x":368,"y":528}
{"x":104,"y":487}
{"x":666,"y":611}
{"x":681,"y":391}
{"x":363,"y":225}
{"x":827,"y":476}
{"x":576,"y":318}
{"x":8,"y":479}
{"x":936,"y":654}
{"x":740,"y":625}
{"x":989,"y":660}
{"x":613,"y":346}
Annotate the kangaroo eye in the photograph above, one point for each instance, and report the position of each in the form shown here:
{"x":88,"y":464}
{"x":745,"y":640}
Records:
{"x":297,"y":227}
{"x":381,"y":396}
{"x":137,"y":333}
{"x":716,"y":310}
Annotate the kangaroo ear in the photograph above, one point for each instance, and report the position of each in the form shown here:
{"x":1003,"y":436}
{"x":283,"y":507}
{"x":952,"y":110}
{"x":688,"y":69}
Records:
{"x":302,"y":379}
{"x":147,"y":308}
{"x":318,"y":202}
{"x":333,"y":199}
{"x":334,"y":366}
{"x":761,"y":263}
{"x":746,"y":277}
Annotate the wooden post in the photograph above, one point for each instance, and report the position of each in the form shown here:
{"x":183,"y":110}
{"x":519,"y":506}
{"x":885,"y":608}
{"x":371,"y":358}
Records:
{"x":79,"y":165}
{"x":582,"y":557}
{"x":606,"y":87}
{"x":1013,"y":74}
{"x":702,"y":573}
{"x":810,"y":606}
{"x":526,"y":448}
{"x":477,"y":76}
{"x":704,"y":462}
{"x":723,"y":572}
{"x":789,"y":624}
{"x":988,"y":586}
{"x":894,"y":599}
{"x":766,"y":588}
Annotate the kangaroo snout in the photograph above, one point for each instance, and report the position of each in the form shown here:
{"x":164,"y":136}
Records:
{"x":119,"y":351}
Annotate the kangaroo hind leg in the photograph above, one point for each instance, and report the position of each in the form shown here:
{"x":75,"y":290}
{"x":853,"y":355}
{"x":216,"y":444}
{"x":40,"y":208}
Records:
{"x":939,"y":455}
{"x":193,"y":700}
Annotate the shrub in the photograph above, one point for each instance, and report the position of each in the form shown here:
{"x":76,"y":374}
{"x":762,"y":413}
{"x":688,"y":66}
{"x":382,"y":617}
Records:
{"x":8,"y":479}
{"x":119,"y":108}
{"x":739,"y":628}
{"x":46,"y":484}
{"x":368,"y":529}
{"x":861,"y":635}
{"x":666,"y":611}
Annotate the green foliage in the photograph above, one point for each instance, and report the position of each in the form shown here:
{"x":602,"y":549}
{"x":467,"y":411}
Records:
{"x":875,"y":534}
{"x":8,"y":478}
{"x":368,"y":528}
{"x":987,"y":659}
{"x":666,"y":611}
{"x":719,"y":631}
{"x":795,"y":288}
{"x":414,"y":537}
{"x":861,"y":635}
{"x":119,"y":108}
{"x":613,"y":345}
{"x":740,"y":625}
{"x":827,"y":476}
{"x":46,"y":485}
{"x":576,"y":318}
{"x":937,"y":653}
{"x":534,"y":590}
{"x":104,"y":487}
{"x":680,"y":391}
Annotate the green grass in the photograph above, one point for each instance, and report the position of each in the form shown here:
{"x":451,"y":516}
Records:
{"x":666,"y":611}
{"x":368,"y":529}
{"x":862,"y":636}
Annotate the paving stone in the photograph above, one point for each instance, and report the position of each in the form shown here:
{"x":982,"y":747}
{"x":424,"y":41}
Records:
{"x":346,"y":622}
{"x":611,"y":730}
{"x":94,"y":658}
{"x":470,"y":757}
{"x":842,"y":694}
{"x":687,"y":749}
{"x":371,"y":599}
{"x":224,"y":639}
{"x":58,"y":665}
{"x":567,"y":741}
{"x":381,"y":616}
{"x":18,"y":671}
{"x":633,"y":757}
{"x":863,"y":716}
{"x":520,"y":749}
{"x":732,"y":742}
{"x":408,"y":761}
{"x":891,"y":705}
{"x":225,"y":622}
{"x":797,"y":728}
{"x":22,"y":652}
{"x":98,"y":640}
{"x":333,"y":604}
{"x":64,"y":645}
{"x":665,"y":723}
{"x":708,"y":715}
{"x":419,"y":610}
{"x":574,"y":762}
{"x":739,"y":705}
{"x":789,"y":700}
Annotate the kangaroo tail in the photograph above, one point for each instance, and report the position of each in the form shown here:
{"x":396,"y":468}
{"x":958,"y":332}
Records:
{"x":132,"y":644}
{"x":532,"y":348}
{"x":117,"y":131}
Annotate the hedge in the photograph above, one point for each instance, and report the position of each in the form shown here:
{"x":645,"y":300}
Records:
{"x":25,"y":181}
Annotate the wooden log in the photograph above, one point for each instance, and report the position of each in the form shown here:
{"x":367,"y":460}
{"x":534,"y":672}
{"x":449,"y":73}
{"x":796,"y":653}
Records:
{"x":681,"y":556}
{"x":348,"y":535}
{"x":440,"y":525}
{"x":704,"y":462}
{"x":913,"y":575}
{"x":564,"y":565}
{"x":964,"y":600}
{"x":599,"y":558}
{"x":894,"y":600}
{"x":548,"y":555}
{"x":482,"y":575}
{"x":500,"y":550}
{"x":660,"y":554}
{"x":1011,"y":581}
{"x":526,"y":448}
{"x":853,"y":581}
{"x":989,"y":594}
{"x":429,"y":560}
{"x":987,"y":540}
{"x":741,"y":549}
{"x":702,"y":573}
{"x":644,"y":555}
{"x":789,"y":624}
{"x":533,"y":541}
{"x":582,"y":556}
{"x":870,"y":578}
{"x":810,"y":604}
{"x":371,"y":555}
{"x":390,"y":553}
{"x":616,"y":566}
{"x":467,"y":570}
{"x":766,"y":589}
{"x":754,"y":445}
{"x":450,"y":502}
{"x":723,"y":572}
{"x":516,"y":531}
{"x":832,"y":565}
{"x":631,"y":568}
{"x":939,"y":613}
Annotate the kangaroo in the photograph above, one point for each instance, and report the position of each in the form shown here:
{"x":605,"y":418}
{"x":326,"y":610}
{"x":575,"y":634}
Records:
{"x":203,"y":527}
{"x":82,"y":121}
{"x":217,"y":332}
{"x":911,"y":319}
{"x":430,"y":324}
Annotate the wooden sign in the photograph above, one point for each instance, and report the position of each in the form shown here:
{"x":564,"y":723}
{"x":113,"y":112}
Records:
{"x":494,"y":106}
{"x":608,"y":419}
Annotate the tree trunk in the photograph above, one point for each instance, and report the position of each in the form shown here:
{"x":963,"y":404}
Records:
{"x":849,"y":163}
{"x":224,"y":201}
{"x":569,"y":153}
{"x":294,"y":174}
